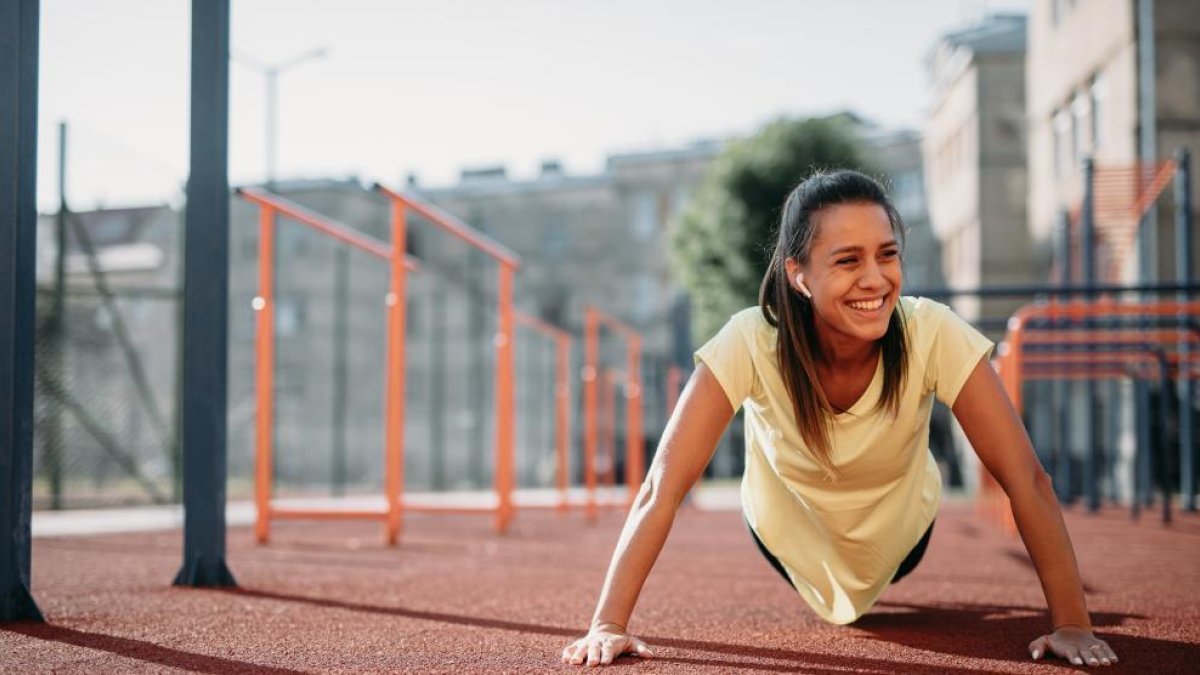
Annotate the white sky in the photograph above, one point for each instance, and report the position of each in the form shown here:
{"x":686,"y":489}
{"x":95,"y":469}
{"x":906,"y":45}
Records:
{"x":433,"y":86}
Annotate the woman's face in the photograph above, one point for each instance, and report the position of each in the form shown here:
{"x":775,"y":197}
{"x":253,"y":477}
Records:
{"x":853,"y":272}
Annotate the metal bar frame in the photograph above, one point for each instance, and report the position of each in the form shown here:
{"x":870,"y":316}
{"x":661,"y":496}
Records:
{"x":508,"y":263}
{"x":399,"y":264}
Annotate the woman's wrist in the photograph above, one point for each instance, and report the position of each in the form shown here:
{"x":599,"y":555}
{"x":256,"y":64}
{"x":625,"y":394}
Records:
{"x":609,"y":626}
{"x":1086,"y":627}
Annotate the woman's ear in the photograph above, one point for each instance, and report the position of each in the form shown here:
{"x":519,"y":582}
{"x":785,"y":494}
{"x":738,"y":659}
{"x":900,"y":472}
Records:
{"x":796,"y":277}
{"x":799,"y":282}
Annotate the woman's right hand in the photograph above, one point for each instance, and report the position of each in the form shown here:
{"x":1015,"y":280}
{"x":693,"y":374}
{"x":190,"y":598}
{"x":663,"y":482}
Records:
{"x":603,"y":644}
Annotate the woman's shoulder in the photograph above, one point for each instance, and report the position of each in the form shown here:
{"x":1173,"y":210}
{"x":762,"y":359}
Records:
{"x":752,"y":322}
{"x":921,"y":311}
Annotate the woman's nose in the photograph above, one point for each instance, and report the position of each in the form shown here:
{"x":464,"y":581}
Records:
{"x":871,"y":277}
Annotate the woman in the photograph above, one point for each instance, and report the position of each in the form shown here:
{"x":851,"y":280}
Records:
{"x":838,"y":373}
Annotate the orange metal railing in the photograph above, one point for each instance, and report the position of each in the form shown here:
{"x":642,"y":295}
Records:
{"x":508,"y":263}
{"x":1012,"y":360}
{"x":562,"y":401}
{"x":634,"y":443}
{"x":271,"y":206}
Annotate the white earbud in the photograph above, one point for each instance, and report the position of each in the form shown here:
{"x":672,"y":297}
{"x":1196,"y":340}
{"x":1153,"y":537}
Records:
{"x":801,"y":287}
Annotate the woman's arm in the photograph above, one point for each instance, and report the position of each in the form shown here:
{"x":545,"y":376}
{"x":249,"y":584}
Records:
{"x":687,"y":445}
{"x":998,"y":436}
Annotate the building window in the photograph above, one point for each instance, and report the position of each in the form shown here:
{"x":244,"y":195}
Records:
{"x":1098,"y":91}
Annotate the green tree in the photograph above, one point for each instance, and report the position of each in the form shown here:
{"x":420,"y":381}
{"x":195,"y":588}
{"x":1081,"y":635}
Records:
{"x":722,"y":244}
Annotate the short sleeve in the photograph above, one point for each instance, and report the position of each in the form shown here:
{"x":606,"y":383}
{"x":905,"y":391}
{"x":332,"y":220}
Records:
{"x":728,"y":356}
{"x":955,"y":350}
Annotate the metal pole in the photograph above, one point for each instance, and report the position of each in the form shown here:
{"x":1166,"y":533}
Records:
{"x":1088,"y":235}
{"x":590,"y":373}
{"x":264,"y":374}
{"x":340,"y":316}
{"x":562,"y":396}
{"x":1064,"y":389}
{"x":1160,"y":453}
{"x":634,"y":444}
{"x":1148,"y":132}
{"x":18,"y":237}
{"x":397,"y":339}
{"x":504,"y":398}
{"x":1183,"y":272}
{"x":206,"y":293}
{"x":58,"y":330}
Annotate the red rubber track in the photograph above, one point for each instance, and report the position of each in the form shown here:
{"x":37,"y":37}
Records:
{"x":454,"y":597}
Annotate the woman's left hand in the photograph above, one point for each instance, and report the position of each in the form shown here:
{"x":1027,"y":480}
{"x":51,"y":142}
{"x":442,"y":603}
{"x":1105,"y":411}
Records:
{"x":1077,"y":645}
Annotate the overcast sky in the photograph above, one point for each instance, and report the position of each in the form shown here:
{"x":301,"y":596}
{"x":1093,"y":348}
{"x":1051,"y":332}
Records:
{"x":430,"y":87}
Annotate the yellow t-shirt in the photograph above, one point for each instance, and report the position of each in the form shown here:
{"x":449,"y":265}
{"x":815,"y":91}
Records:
{"x":841,"y":542}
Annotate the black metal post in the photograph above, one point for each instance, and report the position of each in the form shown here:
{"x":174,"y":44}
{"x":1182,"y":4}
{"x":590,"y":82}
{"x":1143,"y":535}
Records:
{"x":206,"y":300}
{"x":1160,"y":449}
{"x":1141,"y":457}
{"x":18,"y":236}
{"x":1187,"y":385}
{"x":1063,"y":388}
{"x":57,"y":329}
{"x":1088,"y":237}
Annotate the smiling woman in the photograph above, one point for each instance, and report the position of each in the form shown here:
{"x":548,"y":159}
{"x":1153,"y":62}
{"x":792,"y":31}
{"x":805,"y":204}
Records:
{"x":837,"y":373}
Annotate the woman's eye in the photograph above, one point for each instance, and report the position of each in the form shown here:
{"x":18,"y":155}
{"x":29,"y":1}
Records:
{"x":844,"y":261}
{"x":891,"y":254}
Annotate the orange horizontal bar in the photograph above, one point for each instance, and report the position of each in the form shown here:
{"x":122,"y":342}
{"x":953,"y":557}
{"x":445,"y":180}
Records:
{"x":1102,"y":357}
{"x":539,"y":325}
{"x":339,"y":231}
{"x":454,"y":226}
{"x":315,"y":514}
{"x":1100,"y":307}
{"x":1101,"y":374}
{"x":445,"y":510}
{"x":1078,"y":336}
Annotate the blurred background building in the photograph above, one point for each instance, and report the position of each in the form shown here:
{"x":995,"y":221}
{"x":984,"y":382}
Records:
{"x":975,"y":150}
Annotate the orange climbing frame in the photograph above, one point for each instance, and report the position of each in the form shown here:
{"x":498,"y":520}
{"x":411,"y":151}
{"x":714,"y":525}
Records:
{"x":634,"y":443}
{"x":1012,"y":360}
{"x":562,"y":401}
{"x":399,"y":264}
{"x":508,"y":263}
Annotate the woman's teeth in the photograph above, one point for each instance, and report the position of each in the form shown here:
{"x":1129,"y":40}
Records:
{"x":867,"y":305}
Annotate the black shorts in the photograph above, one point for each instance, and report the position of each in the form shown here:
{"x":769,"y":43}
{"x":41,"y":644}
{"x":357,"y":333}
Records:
{"x":908,"y":565}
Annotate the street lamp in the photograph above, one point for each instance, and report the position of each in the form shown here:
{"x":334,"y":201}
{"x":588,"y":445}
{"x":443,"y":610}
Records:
{"x":270,"y":73}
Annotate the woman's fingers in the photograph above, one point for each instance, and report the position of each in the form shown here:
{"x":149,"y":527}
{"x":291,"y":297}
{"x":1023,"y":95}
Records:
{"x":641,"y":649}
{"x":1037,"y":648}
{"x":1104,"y":651}
{"x":603,"y":650}
{"x":578,"y":653}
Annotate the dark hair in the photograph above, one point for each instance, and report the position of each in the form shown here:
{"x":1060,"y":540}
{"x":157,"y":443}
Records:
{"x":792,"y":315}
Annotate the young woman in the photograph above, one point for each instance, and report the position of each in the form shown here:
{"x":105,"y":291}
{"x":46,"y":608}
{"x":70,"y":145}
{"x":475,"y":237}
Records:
{"x":837,"y":373}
